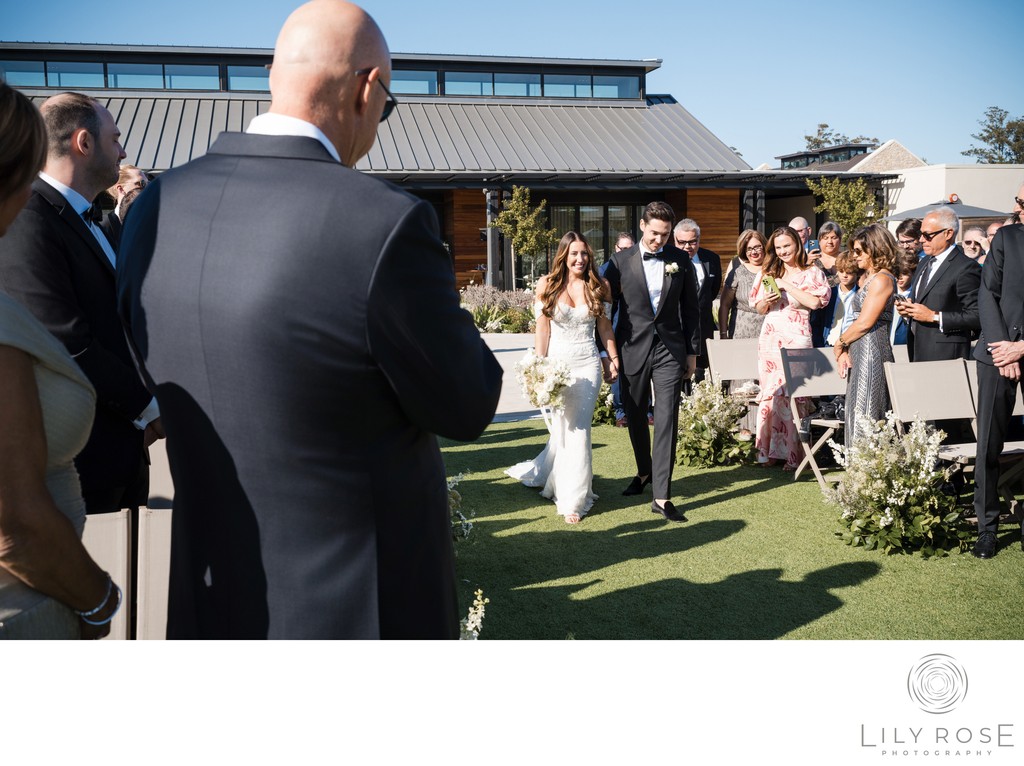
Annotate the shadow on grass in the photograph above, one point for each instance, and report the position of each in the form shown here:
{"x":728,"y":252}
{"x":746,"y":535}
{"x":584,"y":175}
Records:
{"x":752,"y":605}
{"x":619,"y":574}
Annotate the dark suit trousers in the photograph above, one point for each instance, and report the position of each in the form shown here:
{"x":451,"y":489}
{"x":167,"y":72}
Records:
{"x":995,"y":408}
{"x":664,"y":371}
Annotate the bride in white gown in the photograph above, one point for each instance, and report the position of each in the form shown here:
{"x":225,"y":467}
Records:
{"x":571,"y":300}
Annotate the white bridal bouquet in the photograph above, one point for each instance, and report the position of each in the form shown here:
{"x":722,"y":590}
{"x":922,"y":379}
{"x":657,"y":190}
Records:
{"x":543,"y":380}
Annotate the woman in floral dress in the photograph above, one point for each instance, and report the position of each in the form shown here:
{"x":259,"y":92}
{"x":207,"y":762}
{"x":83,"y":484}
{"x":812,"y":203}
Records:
{"x":802,"y":288}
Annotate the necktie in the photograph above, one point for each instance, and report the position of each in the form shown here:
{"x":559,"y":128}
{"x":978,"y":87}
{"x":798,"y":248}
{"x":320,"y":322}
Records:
{"x":927,"y":276}
{"x":103,"y":242}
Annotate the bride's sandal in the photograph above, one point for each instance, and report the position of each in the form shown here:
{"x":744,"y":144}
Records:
{"x":572,"y":518}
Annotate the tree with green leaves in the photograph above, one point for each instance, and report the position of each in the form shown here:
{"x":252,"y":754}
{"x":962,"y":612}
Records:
{"x":827,"y":137}
{"x":523,"y":226}
{"x":851,"y":204}
{"x":1002,"y":139}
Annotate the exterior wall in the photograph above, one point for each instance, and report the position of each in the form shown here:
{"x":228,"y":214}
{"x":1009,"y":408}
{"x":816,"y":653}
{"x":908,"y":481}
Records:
{"x":990,"y":186}
{"x":781,"y":210}
{"x":717,"y":212}
{"x":465,"y":213}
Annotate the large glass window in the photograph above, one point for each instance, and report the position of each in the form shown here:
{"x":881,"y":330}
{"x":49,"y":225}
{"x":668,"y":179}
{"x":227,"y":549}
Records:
{"x":563,"y":218}
{"x":516,"y":84}
{"x":468,"y":84}
{"x":248,"y":78}
{"x":618,"y":221}
{"x":616,"y":87}
{"x":149,"y":76}
{"x":592,"y":227}
{"x":192,"y":76}
{"x":414,"y":82}
{"x":567,"y":86}
{"x":74,"y":74}
{"x":23,"y":74}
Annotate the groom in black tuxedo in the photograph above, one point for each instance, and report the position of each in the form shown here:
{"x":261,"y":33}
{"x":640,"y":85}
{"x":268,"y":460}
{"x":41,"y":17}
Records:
{"x":658,"y":336}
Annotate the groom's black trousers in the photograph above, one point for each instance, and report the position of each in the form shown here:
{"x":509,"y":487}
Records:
{"x":664,"y":371}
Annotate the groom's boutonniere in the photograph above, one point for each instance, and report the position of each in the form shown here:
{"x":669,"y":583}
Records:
{"x":671,"y":268}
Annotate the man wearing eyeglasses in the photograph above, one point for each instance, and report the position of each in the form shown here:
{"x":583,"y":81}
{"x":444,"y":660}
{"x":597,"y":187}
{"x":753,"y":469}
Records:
{"x":999,"y":353}
{"x":944,"y":306}
{"x":707,"y":268}
{"x":304,"y":333}
{"x":908,"y":236}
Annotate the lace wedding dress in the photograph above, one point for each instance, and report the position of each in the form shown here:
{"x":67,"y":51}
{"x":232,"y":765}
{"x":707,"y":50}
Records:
{"x":564,"y":470}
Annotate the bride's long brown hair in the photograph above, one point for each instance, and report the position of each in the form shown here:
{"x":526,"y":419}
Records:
{"x":593,"y":287}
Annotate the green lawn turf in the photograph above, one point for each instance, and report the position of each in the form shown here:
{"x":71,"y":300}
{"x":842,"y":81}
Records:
{"x":757,"y":559}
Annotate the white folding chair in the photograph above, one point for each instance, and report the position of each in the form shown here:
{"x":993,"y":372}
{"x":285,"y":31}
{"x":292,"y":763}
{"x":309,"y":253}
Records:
{"x":734,"y":359}
{"x":1013,"y":452}
{"x":900,"y":353}
{"x":154,"y":572}
{"x":812,"y":372}
{"x":108,"y":539}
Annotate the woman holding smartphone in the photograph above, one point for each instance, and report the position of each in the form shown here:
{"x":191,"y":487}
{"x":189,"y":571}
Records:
{"x":864,"y":346}
{"x":790,"y":288}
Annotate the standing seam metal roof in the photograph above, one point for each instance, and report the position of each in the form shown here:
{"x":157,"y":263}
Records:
{"x":438,"y":136}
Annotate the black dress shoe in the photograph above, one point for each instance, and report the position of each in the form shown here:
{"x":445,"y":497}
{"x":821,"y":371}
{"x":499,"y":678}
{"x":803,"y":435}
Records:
{"x":669,"y":511}
{"x":636,"y":486}
{"x":985,"y":548}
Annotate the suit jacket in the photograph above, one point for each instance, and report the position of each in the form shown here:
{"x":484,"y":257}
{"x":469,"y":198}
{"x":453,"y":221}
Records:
{"x":708,"y":290}
{"x":677,"y":321}
{"x":52,"y":263}
{"x":1001,"y":297}
{"x":953,"y":291}
{"x":111,"y":226}
{"x":302,"y":328}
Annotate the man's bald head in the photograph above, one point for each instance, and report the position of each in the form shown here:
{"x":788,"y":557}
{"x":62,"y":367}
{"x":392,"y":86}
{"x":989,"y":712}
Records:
{"x":318,"y":52}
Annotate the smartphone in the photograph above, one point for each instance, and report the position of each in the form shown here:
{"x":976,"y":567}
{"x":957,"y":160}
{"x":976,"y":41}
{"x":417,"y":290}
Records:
{"x":770,"y":286}
{"x":902,"y":299}
{"x":813,"y":245}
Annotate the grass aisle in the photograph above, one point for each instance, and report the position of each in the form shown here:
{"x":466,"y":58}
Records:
{"x":757,"y":559}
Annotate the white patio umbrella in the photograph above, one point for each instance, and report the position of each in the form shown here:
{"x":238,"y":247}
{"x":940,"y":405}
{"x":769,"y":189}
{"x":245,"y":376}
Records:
{"x":954,"y":201}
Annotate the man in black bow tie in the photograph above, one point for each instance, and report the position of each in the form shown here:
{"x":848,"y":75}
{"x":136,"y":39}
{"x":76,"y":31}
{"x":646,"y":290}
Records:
{"x":658,"y":337}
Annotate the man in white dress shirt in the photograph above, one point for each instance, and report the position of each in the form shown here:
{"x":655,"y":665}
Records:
{"x":61,"y":267}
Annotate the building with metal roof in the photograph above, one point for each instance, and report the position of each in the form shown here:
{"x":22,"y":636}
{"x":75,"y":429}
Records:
{"x":583,"y":134}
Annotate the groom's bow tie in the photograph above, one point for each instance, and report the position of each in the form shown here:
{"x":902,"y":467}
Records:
{"x":656,"y":256}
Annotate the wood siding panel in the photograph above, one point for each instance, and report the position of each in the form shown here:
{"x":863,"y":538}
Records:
{"x":717,"y":212}
{"x":465,"y":213}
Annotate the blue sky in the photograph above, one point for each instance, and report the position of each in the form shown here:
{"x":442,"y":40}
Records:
{"x":758,"y":74}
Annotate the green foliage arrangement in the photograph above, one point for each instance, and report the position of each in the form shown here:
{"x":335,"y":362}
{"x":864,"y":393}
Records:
{"x":709,"y":428}
{"x":851,"y":204}
{"x":891,"y":495}
{"x":497,"y":310}
{"x":604,"y":410}
{"x":523,"y":225}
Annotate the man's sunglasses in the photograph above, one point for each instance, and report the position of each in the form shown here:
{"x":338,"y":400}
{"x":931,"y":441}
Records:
{"x":391,"y":103}
{"x":930,"y":235}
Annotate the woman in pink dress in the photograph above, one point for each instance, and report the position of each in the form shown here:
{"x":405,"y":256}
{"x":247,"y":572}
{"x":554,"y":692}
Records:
{"x":801,"y":289}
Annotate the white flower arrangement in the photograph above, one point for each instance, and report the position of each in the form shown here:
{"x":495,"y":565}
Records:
{"x":709,"y":425}
{"x":671,"y":268}
{"x":890,"y":496}
{"x":544,"y":380}
{"x":461,"y":524}
{"x":473,"y":622}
